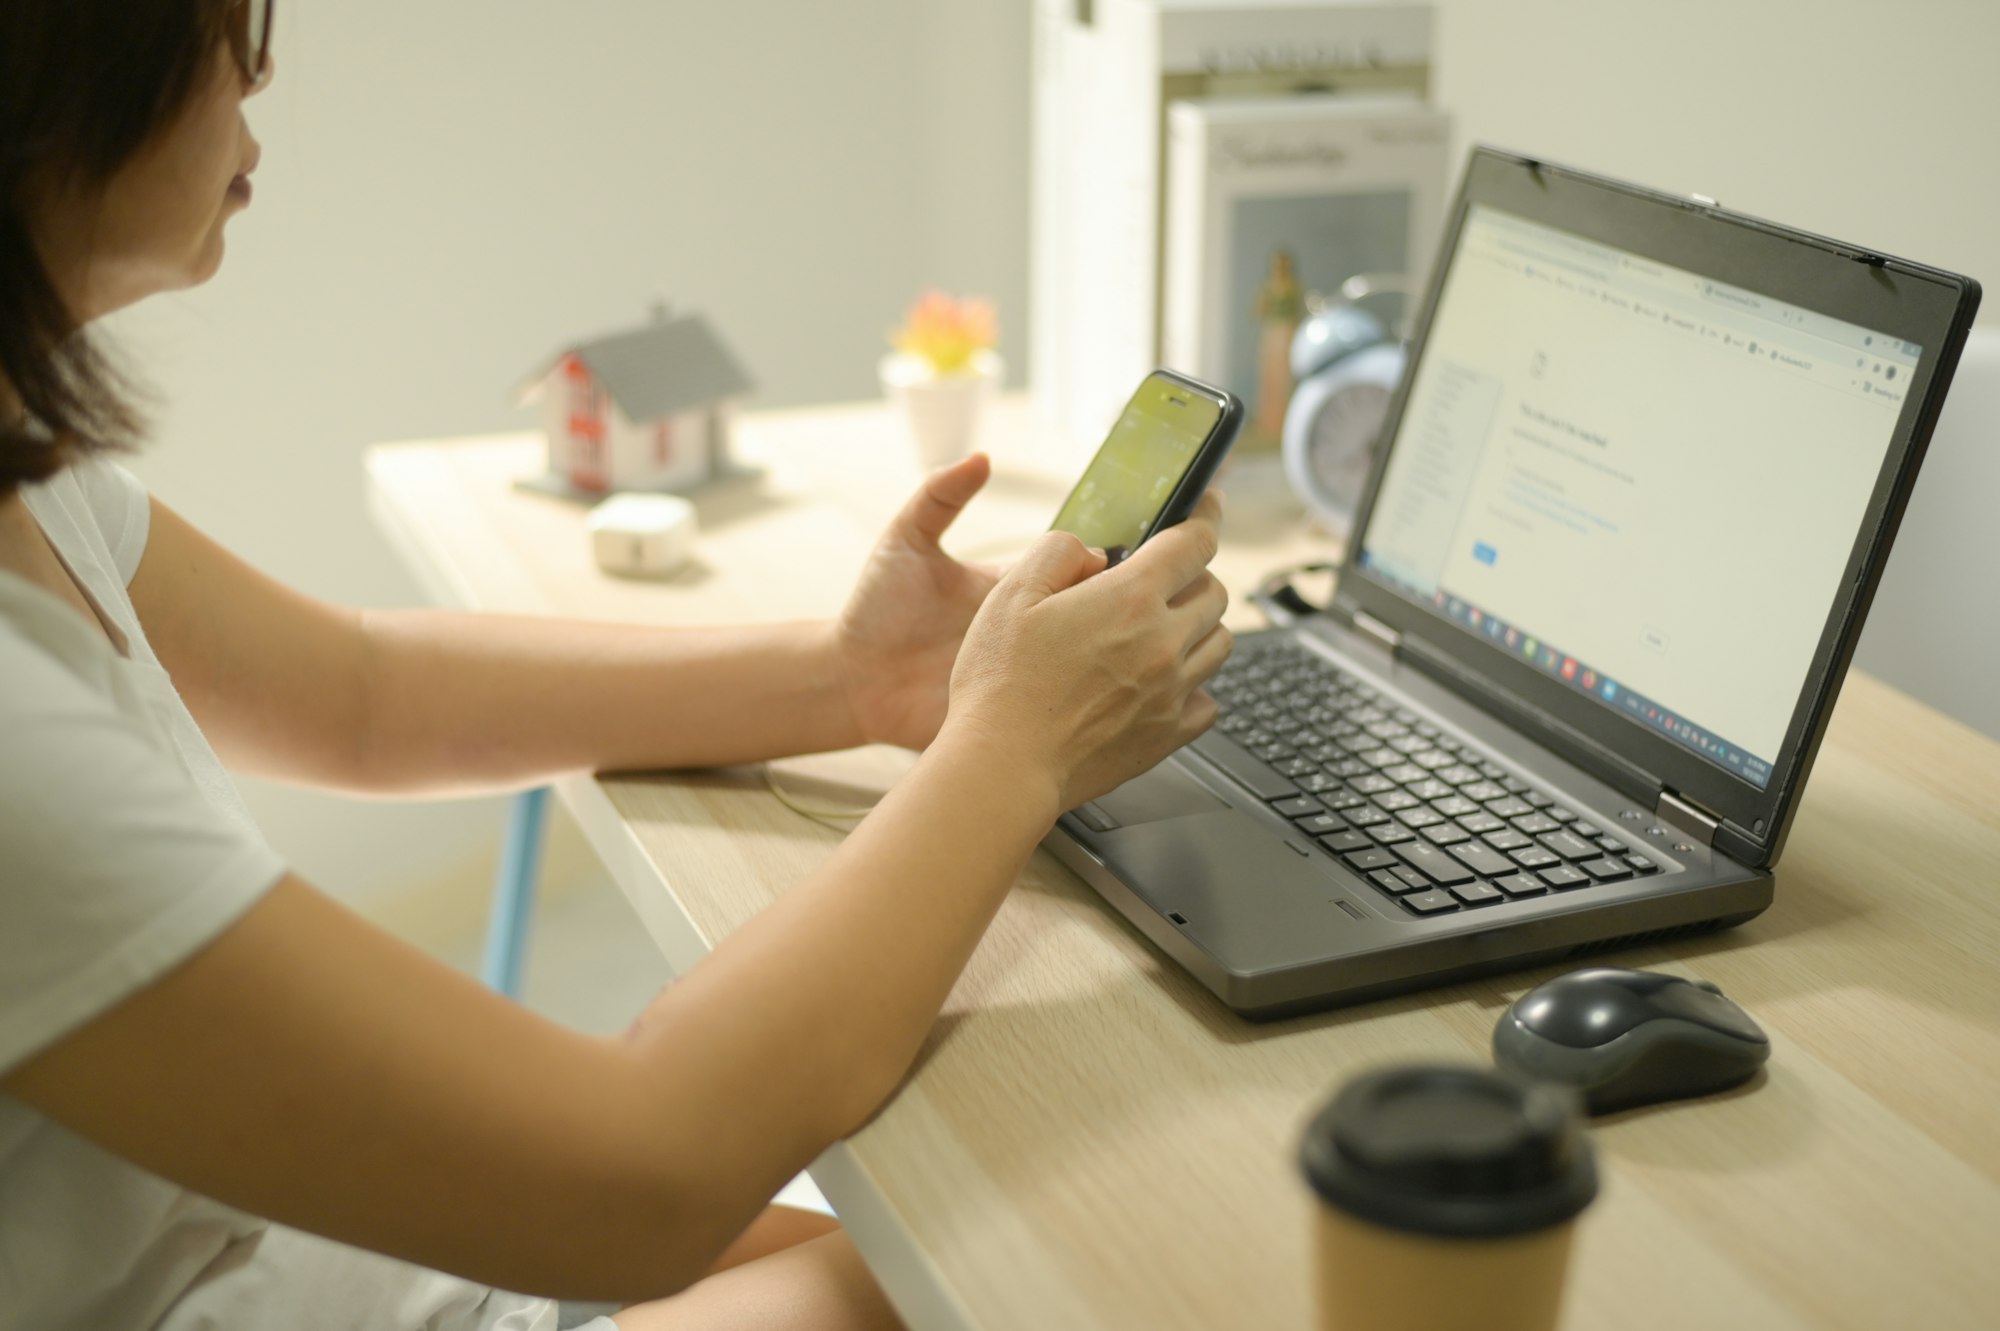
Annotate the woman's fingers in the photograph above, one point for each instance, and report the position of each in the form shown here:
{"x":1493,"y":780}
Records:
{"x":941,"y":498}
{"x":1208,"y":655}
{"x":1174,"y":558}
{"x":1200,"y":607}
{"x":1055,"y":562}
{"x":1199,"y":711}
{"x":1197,"y":714}
{"x":1099,"y":675}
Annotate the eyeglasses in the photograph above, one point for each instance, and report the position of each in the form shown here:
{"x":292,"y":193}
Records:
{"x":250,"y":38}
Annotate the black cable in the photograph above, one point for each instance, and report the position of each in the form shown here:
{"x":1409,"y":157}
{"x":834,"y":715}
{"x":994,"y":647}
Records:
{"x":1281,"y":601}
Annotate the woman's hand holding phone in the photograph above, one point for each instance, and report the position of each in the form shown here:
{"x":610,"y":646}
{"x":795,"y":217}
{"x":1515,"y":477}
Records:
{"x":1093,"y":675}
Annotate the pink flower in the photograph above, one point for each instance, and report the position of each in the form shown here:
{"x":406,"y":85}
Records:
{"x":947,"y":332}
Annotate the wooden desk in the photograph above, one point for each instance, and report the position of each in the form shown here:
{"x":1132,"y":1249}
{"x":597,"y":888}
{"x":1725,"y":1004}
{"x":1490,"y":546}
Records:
{"x":1091,"y":1140}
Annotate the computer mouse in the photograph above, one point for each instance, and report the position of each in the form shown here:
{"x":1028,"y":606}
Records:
{"x":1623,"y":1038}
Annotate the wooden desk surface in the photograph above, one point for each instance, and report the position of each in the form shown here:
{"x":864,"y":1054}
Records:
{"x":1092,"y":1140}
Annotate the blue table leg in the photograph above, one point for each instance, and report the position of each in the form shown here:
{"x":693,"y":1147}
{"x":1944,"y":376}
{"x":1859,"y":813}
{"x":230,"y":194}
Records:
{"x":514,"y":893}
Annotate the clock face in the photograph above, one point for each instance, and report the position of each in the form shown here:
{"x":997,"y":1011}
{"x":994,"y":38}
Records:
{"x":1332,"y":428}
{"x":1341,"y":440}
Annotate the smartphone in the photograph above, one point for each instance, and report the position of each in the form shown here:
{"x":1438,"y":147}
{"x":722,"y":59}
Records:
{"x":1152,"y":468}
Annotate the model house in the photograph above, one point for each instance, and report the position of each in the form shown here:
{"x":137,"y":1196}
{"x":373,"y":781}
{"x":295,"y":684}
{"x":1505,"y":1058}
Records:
{"x":647,"y":409}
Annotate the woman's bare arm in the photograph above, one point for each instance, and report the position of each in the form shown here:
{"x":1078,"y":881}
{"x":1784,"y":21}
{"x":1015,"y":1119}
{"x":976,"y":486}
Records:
{"x":306,"y":1067}
{"x":400,"y":702}
{"x":309,"y":1068}
{"x":418,"y":701}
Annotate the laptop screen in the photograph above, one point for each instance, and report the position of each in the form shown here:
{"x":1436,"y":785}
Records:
{"x":1642,"y":482}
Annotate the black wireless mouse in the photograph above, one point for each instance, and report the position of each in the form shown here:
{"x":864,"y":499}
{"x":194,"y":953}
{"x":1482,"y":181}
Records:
{"x":1624,"y":1038}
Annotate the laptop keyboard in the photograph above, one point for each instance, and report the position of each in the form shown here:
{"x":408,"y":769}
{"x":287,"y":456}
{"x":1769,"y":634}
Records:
{"x":1434,"y":823}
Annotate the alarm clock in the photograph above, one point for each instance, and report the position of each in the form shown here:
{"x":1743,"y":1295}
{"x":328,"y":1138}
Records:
{"x":1346,"y":364}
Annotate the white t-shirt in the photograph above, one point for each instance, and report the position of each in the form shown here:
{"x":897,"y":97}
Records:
{"x":124,"y":848}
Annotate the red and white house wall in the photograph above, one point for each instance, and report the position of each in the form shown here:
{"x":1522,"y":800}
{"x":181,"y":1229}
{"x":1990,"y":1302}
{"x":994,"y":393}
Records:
{"x":598,"y":449}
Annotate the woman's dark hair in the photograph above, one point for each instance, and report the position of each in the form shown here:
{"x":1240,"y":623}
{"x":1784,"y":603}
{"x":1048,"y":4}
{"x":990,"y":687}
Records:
{"x":84,"y":84}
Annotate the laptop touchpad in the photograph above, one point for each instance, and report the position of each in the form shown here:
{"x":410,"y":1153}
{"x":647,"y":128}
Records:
{"x":1164,"y":792}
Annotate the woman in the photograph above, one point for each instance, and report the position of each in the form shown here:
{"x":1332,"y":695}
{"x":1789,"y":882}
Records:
{"x":224,"y":1101}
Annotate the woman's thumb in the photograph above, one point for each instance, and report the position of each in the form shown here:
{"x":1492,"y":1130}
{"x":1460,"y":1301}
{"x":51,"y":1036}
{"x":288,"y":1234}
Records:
{"x":1055,"y":562}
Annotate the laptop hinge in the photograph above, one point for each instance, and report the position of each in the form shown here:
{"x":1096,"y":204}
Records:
{"x":1685,"y":814}
{"x":1377,"y":630}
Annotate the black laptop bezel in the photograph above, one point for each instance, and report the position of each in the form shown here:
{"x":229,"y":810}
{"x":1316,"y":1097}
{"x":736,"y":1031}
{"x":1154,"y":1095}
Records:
{"x":1919,"y":304}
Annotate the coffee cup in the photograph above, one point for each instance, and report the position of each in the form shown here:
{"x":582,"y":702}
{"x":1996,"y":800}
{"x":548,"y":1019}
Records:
{"x":1449,"y":1196}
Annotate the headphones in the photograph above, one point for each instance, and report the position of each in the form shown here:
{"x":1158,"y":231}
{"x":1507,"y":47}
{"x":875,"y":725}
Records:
{"x":1346,"y":362}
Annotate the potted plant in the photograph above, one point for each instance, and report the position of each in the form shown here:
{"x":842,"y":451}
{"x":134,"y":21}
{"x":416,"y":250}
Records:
{"x":943,"y":371}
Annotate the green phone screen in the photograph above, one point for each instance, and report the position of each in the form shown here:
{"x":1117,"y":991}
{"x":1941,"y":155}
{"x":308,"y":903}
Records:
{"x":1147,"y":452}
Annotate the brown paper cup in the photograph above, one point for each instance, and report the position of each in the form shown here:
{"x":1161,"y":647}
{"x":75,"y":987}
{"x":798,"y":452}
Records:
{"x":1449,"y":1197}
{"x":1377,"y":1279}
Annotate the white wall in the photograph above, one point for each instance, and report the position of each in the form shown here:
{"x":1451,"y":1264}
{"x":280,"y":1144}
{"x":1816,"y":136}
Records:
{"x":1867,"y":120}
{"x":451,"y":189}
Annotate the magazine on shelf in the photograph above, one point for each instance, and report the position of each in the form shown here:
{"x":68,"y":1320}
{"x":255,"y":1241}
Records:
{"x":1105,"y":72}
{"x":1271,"y":205}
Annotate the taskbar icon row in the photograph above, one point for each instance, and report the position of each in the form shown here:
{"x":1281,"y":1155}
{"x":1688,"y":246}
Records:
{"x":1552,"y":661}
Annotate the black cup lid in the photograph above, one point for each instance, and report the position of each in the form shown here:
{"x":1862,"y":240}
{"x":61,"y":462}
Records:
{"x":1454,"y":1152}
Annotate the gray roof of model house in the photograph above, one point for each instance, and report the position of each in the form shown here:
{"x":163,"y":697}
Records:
{"x":673,"y":364}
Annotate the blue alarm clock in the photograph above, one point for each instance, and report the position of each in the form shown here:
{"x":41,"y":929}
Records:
{"x":1346,"y":364}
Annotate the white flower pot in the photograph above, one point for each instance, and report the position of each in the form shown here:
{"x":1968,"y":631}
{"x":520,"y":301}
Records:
{"x":943,"y":410}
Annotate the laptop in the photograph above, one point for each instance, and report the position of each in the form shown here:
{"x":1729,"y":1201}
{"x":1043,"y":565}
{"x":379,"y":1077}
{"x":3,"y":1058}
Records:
{"x":1627,"y":512}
